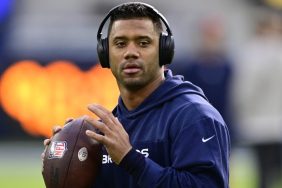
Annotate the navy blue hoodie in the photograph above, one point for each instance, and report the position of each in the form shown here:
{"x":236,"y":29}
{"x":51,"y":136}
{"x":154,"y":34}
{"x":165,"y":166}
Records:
{"x":179,"y":140}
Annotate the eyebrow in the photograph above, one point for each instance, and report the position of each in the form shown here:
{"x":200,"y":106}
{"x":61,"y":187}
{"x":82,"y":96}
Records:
{"x":125,"y":38}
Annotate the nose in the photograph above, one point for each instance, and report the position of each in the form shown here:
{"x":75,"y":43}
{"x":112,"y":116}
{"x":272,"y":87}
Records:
{"x":131,"y":51}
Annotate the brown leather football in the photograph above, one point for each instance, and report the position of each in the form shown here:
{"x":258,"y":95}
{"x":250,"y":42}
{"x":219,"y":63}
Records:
{"x":72,"y":159}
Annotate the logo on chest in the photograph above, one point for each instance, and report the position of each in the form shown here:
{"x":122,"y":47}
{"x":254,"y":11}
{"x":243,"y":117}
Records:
{"x":106,"y":159}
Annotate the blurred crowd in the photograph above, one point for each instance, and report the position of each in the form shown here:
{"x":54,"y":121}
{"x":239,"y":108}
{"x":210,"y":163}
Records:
{"x":244,"y":88}
{"x":257,"y":96}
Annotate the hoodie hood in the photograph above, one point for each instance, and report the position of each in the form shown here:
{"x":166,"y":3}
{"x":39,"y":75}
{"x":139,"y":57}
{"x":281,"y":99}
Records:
{"x":172,"y":87}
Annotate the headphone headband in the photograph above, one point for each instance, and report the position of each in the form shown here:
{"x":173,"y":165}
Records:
{"x":99,"y":33}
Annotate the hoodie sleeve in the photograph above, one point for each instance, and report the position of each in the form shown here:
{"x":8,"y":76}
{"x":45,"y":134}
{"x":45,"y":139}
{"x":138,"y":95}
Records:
{"x":199,"y":154}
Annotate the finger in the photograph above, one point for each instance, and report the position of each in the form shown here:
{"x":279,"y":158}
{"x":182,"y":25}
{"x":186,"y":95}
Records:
{"x":113,"y":120}
{"x":105,"y":115}
{"x":56,"y":129}
{"x":98,"y":137}
{"x":110,"y":115}
{"x":70,"y":119}
{"x":43,"y":155}
{"x":117,"y":122}
{"x":98,"y":125}
{"x":101,"y":112}
{"x":47,"y":141}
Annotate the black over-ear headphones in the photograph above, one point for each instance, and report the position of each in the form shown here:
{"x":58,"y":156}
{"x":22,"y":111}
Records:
{"x":166,"y":44}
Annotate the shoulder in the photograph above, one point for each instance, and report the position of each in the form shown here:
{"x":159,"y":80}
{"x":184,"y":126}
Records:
{"x":197,"y":118}
{"x":193,"y":108}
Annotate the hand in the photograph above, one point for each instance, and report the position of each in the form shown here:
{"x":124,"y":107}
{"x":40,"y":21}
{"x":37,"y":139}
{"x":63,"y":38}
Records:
{"x":114,"y":138}
{"x":55,"y":130}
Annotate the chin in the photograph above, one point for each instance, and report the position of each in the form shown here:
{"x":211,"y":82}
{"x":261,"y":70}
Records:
{"x":133,"y":85}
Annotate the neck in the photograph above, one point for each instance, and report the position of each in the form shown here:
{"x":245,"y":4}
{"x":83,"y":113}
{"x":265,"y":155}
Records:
{"x":133,"y":99}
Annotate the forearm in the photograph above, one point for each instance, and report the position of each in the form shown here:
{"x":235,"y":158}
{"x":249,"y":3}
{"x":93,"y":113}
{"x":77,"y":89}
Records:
{"x":147,"y":174}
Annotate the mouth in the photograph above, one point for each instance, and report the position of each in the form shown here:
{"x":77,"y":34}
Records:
{"x":131,"y":68}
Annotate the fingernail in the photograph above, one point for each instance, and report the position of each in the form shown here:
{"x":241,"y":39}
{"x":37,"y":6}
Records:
{"x":87,"y":119}
{"x":87,"y":132}
{"x":84,"y":116}
{"x":90,"y":105}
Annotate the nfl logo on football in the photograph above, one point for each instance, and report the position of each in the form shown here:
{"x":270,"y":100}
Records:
{"x":57,"y":149}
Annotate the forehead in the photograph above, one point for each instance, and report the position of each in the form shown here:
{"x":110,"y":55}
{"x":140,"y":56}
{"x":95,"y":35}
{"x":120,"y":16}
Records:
{"x":138,"y":26}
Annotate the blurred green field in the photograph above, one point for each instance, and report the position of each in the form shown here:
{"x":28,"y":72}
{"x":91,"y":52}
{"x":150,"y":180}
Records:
{"x":23,"y":177}
{"x":20,"y":167}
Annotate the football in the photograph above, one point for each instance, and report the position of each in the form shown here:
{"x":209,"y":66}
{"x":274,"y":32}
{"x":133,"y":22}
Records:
{"x":72,"y":159}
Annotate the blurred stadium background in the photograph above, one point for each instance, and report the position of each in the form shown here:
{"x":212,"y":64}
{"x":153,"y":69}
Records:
{"x":48,"y":69}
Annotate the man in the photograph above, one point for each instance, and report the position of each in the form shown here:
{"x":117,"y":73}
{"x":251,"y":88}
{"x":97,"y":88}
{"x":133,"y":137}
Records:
{"x":163,"y":132}
{"x":257,"y":98}
{"x":211,"y":68}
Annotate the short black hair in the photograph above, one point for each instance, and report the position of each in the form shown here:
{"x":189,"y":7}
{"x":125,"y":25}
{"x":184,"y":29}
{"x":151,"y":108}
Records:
{"x":135,"y":10}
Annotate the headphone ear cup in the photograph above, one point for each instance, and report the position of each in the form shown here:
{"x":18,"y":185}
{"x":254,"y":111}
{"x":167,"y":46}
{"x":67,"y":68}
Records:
{"x":103,"y":52}
{"x":166,"y":51}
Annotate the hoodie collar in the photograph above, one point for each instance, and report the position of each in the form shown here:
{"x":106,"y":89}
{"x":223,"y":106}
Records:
{"x":170,"y":88}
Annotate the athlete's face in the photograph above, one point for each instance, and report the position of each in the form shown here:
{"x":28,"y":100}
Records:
{"x":134,"y":53}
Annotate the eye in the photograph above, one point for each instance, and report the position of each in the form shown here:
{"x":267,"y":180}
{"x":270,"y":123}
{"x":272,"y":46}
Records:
{"x":144,"y":43}
{"x":120,"y":43}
